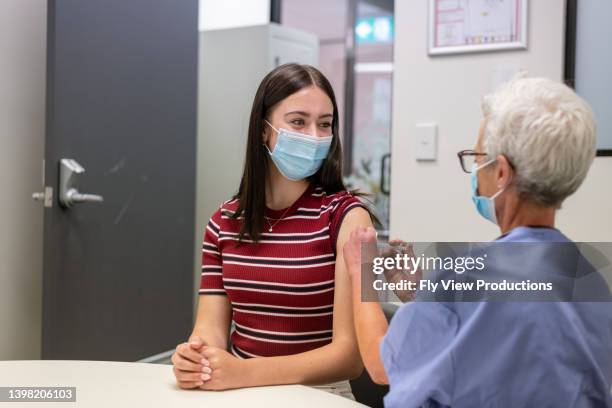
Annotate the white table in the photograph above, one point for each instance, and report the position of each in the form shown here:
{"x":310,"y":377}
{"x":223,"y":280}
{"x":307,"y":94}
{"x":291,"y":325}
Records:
{"x":116,"y":384}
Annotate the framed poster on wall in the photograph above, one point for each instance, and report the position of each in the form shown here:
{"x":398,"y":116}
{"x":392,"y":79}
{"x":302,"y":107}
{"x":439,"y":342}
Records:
{"x":462,"y":26}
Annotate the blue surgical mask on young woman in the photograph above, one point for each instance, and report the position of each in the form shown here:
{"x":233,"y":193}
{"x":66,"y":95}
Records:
{"x":297,"y":155}
{"x":484,"y":205}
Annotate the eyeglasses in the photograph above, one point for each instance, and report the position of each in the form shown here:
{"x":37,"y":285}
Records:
{"x":467,"y":158}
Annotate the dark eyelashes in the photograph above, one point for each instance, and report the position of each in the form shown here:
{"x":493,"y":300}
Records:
{"x":301,"y":123}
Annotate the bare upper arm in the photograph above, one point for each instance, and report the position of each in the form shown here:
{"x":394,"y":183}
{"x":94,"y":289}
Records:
{"x":356,"y":216}
{"x":343,"y":312}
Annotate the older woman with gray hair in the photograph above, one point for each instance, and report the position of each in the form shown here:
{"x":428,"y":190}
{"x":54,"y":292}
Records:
{"x":536,"y":143}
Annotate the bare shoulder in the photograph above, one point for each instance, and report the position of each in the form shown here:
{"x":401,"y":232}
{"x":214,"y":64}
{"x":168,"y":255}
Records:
{"x":357,"y":216}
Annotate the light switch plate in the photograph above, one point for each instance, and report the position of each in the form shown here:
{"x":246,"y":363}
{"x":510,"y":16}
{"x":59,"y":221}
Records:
{"x":426,"y":141}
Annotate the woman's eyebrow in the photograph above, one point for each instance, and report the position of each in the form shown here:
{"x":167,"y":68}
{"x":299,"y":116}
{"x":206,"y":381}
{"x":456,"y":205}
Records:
{"x":298,"y":113}
{"x":302,"y":113}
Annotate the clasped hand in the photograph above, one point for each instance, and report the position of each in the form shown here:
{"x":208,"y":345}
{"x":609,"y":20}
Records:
{"x":198,"y":365}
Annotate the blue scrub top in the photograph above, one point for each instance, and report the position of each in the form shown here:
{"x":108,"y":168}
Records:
{"x":501,"y":354}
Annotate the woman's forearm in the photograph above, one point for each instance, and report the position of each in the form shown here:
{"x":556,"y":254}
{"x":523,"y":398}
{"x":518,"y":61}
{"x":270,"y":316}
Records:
{"x":212,"y":336}
{"x":213,"y":321}
{"x":336,"y":361}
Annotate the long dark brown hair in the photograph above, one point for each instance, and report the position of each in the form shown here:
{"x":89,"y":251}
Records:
{"x":277,"y":85}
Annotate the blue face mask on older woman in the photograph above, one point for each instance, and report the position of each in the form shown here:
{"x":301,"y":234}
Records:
{"x":484,"y":205}
{"x":298,"y":155}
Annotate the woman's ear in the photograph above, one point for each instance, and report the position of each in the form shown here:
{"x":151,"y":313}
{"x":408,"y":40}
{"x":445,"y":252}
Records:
{"x":504,"y":172}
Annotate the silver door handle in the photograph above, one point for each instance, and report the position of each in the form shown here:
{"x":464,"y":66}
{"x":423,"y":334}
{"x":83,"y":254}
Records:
{"x":68,"y":191}
{"x":73,"y":196}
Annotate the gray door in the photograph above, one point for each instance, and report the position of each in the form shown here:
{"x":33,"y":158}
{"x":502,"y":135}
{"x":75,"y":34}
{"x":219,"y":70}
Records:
{"x":121,"y":101}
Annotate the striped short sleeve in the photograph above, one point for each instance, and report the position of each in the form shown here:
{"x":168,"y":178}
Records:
{"x":211,"y":282}
{"x":344,"y":205}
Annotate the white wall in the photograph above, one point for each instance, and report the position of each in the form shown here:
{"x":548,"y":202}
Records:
{"x":22,"y":103}
{"x":431,"y":201}
{"x":587,"y":215}
{"x":216,"y":14}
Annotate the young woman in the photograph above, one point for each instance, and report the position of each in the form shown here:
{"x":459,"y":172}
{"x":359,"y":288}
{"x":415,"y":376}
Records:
{"x":272,"y":255}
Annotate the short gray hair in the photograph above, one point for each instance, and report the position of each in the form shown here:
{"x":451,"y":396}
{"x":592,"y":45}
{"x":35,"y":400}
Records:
{"x":546,"y":131}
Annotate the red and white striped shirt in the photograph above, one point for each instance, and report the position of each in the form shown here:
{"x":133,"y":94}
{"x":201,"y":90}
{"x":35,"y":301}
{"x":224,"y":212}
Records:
{"x":282,"y":288}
